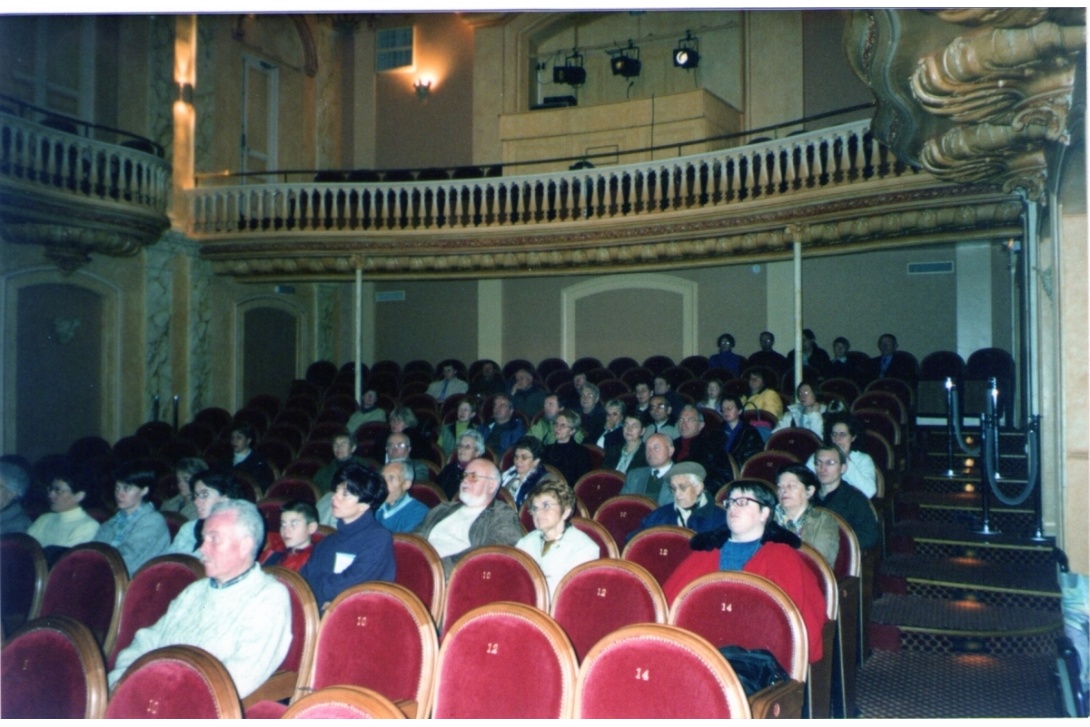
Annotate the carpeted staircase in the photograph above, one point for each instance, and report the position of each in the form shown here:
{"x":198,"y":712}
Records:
{"x":942,"y":589}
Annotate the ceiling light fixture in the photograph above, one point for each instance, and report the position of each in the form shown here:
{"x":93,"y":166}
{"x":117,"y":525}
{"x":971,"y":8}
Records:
{"x":686,"y":54}
{"x":625,"y":61}
{"x":572,"y":72}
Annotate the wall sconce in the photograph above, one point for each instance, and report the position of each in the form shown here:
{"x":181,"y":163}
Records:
{"x":185,"y":92}
{"x":686,"y":54}
{"x":625,"y":61}
{"x":422,"y":88}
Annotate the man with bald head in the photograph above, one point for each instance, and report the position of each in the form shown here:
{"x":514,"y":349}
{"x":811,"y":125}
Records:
{"x":652,"y":481}
{"x":476,"y":519}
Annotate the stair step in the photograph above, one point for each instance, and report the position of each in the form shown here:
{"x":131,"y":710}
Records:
{"x":928,"y":624}
{"x":960,"y":507}
{"x":946,"y":540}
{"x":955,"y":579}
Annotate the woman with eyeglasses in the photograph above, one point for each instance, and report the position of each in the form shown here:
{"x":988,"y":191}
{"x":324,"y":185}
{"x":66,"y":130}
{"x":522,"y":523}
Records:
{"x":554,"y":544}
{"x":209,"y":488}
{"x":795,"y":487}
{"x":843,"y":430}
{"x":521,"y":478}
{"x":752,"y":542}
{"x":568,"y":456}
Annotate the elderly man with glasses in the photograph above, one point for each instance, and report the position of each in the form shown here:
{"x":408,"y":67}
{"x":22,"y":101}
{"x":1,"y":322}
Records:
{"x":476,"y":519}
{"x":752,"y":542}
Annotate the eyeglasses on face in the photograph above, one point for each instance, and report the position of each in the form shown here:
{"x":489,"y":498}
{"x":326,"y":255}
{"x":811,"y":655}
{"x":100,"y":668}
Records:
{"x":474,"y":476}
{"x":397,"y":445}
{"x":740,"y":502}
{"x":827,"y":462}
{"x":543,"y":507}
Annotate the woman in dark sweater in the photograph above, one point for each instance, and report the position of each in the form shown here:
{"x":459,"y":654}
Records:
{"x":569,"y":456}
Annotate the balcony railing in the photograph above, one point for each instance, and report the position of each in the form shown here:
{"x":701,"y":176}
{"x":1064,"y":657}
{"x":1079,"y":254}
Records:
{"x":58,"y":161}
{"x":830,"y":157}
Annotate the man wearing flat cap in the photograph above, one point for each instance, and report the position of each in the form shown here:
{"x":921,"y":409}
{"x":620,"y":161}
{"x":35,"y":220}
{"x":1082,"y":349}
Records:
{"x":691,"y":508}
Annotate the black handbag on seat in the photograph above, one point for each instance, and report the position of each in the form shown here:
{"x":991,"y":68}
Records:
{"x":755,"y":668}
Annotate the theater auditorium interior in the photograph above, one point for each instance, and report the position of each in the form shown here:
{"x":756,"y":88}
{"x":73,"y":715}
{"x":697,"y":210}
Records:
{"x":251,"y":218}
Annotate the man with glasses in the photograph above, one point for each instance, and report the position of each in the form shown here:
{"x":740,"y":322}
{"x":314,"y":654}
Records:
{"x":692,"y":507}
{"x":660,"y":419}
{"x":752,"y":542}
{"x":841,"y":497}
{"x":398,"y":449}
{"x":476,"y":519}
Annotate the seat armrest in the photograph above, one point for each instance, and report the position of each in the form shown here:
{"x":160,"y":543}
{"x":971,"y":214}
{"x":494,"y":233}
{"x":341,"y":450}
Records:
{"x":281,"y":685}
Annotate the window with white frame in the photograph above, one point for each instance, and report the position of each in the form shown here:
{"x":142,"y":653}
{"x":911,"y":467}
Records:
{"x":394,"y":48}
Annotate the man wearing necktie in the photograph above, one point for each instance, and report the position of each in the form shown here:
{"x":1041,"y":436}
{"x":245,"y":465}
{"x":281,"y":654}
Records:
{"x":653,"y":481}
{"x":448,"y":385}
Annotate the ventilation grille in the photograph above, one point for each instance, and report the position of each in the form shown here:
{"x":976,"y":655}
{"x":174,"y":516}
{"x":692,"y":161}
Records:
{"x":936,"y":268}
{"x":390,"y":296}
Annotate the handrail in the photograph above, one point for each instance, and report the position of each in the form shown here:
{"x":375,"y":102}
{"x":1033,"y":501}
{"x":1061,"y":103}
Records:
{"x":828,"y":157}
{"x":31,"y":153}
{"x":87,"y":125}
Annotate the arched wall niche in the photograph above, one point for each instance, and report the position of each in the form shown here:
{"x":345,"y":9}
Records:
{"x":269,"y":335}
{"x":670,"y":330}
{"x":61,"y":360}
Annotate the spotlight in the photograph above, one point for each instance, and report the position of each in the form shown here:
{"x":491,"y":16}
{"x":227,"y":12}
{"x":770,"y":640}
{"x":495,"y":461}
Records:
{"x":625,"y":61}
{"x":572,"y":72}
{"x":686,"y":54}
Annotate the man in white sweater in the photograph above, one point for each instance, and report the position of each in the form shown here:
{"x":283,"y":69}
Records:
{"x":239,"y":614}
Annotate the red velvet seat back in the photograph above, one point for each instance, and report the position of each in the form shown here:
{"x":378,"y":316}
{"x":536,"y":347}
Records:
{"x":421,"y":571}
{"x":52,"y":669}
{"x":597,"y":486}
{"x":344,"y":702}
{"x":427,"y":493}
{"x":622,"y":514}
{"x":659,"y":549}
{"x":23,"y":572}
{"x":490,"y":574}
{"x":175,"y":682}
{"x":505,"y":661}
{"x":765,"y":465}
{"x":88,"y":584}
{"x":304,"y":620}
{"x":848,"y":560}
{"x":732,"y":608}
{"x":599,"y":597}
{"x":796,"y":441}
{"x":653,"y":671}
{"x":607,"y":548}
{"x":293,"y":489}
{"x":149,"y":594}
{"x":362,"y":629}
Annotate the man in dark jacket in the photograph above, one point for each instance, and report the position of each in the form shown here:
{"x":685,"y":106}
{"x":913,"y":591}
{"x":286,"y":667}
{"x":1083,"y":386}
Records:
{"x":708,"y":447}
{"x":692,"y":507}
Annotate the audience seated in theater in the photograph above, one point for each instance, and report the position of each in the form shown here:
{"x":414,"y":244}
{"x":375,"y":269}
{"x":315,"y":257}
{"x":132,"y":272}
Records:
{"x":812,"y":355}
{"x":137,"y":530}
{"x":361,"y":549}
{"x":726,"y":358}
{"x":692,"y":507}
{"x":239,"y":614}
{"x":183,"y":474}
{"x":463,"y":421}
{"x":761,"y":397}
{"x":754,"y":543}
{"x":643,"y":393}
{"x":592,"y":414}
{"x":841,"y":366}
{"x":403,"y":421}
{"x":806,"y":413}
{"x":767,"y":355}
{"x":14,"y":482}
{"x":840,"y":496}
{"x":246,"y":460}
{"x":891,"y":362}
{"x":527,"y":470}
{"x":67,"y":524}
{"x":796,"y":486}
{"x":553,"y":543}
{"x":210,"y":487}
{"x":663,"y":387}
{"x":653,"y":480}
{"x":344,"y":449}
{"x":398,"y":449}
{"x":505,"y":428}
{"x":293,"y":548}
{"x":612,"y":435}
{"x":661,"y":415}
{"x":542,"y":429}
{"x":704,"y":445}
{"x":713,"y":395}
{"x":477,"y":518}
{"x":630,"y":454}
{"x":470,"y":447}
{"x":743,"y":441}
{"x":369,"y":411}
{"x":488,"y":382}
{"x":401,"y":513}
{"x":448,"y":384}
{"x":527,"y":396}
{"x":569,"y":456}
{"x":842,"y":429}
